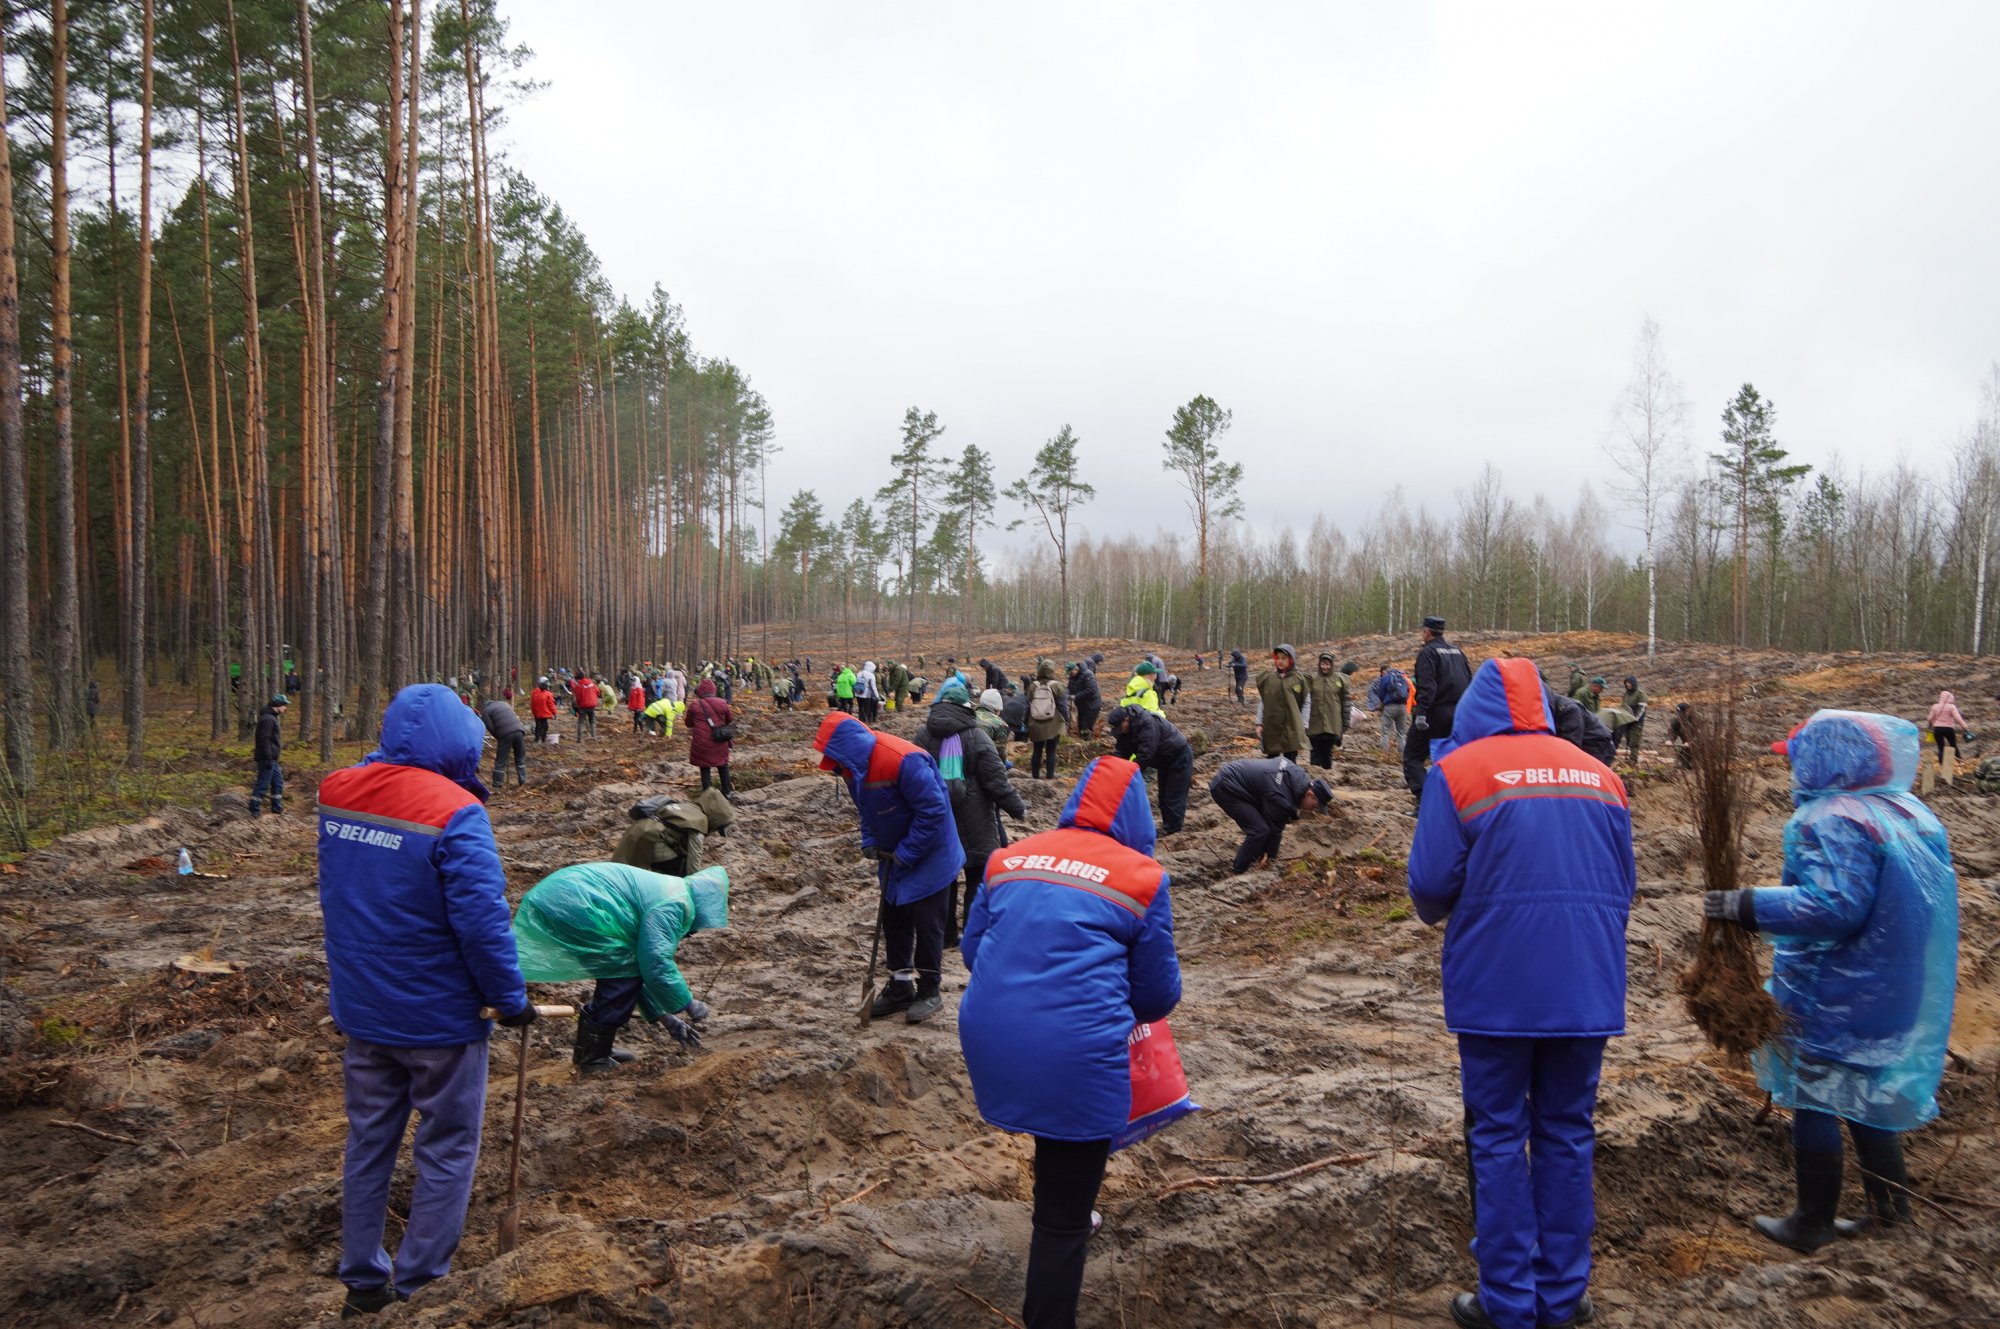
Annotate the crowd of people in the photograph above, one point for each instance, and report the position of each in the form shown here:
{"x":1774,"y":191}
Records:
{"x":1521,"y":850}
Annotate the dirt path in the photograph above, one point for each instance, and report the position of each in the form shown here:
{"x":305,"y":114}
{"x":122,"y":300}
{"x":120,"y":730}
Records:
{"x":801,"y":1171}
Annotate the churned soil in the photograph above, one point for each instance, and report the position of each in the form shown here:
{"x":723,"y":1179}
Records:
{"x":173,"y":1137}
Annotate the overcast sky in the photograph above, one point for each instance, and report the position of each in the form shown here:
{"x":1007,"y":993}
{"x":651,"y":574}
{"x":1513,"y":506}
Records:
{"x":1396,"y":239}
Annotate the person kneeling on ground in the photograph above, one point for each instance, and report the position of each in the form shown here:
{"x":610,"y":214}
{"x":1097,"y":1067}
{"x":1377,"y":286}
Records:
{"x":1151,"y":740}
{"x":1866,"y":966}
{"x":1534,"y":884}
{"x":907,"y":832}
{"x":620,"y":925}
{"x":1263,"y":795}
{"x":416,"y":943}
{"x":1063,"y":968}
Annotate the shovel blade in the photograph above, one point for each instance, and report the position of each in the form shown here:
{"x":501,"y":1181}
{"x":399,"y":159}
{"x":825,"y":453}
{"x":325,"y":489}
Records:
{"x":510,"y":1228}
{"x":867,"y":1012}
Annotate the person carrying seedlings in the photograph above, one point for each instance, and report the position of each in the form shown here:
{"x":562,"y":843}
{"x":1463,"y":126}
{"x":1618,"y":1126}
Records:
{"x":1239,"y":673}
{"x":509,"y":736}
{"x":267,"y":749}
{"x":1085,"y":701}
{"x":1947,"y":723}
{"x":1151,"y":741}
{"x":584,"y":698}
{"x":1592,"y":698}
{"x":711,"y":734}
{"x":414,"y":903}
{"x":1443,"y":673}
{"x":1284,"y":705}
{"x":1140,"y":689}
{"x":908,"y":833}
{"x":1632,"y":703}
{"x":1865,"y":925}
{"x":1262,"y":796}
{"x":622,"y":926}
{"x":542,"y":705}
{"x":1048,"y":716}
{"x":1070,"y":945}
{"x":975,"y":775}
{"x":843,"y":689}
{"x":1390,"y":694}
{"x":1327,"y":705}
{"x":1523,"y":849}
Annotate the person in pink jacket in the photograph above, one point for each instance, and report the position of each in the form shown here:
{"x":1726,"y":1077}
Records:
{"x":1947,"y":723}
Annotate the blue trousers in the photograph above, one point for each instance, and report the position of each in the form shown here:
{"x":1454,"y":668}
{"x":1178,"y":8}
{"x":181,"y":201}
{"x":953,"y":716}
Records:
{"x":270,"y":780}
{"x":446,"y":1087}
{"x":1529,"y":1136}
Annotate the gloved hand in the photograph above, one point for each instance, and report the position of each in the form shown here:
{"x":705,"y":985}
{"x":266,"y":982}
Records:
{"x":696,"y":1010}
{"x":1421,"y":725}
{"x":681,"y":1031}
{"x":1738,"y":907}
{"x":871,"y":853}
{"x":527,"y":1015}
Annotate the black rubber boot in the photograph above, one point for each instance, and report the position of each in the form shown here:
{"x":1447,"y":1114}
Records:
{"x":368,"y":1302}
{"x":1585,"y":1313}
{"x":898,"y":995}
{"x":1886,"y":1182}
{"x":1810,"y":1226}
{"x":929,"y":1001}
{"x":593,"y":1047}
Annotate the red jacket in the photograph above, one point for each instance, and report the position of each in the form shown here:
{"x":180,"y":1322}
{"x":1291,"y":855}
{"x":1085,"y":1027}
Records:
{"x":705,"y":714}
{"x":635,"y":700}
{"x":584,"y":694}
{"x":543,"y":703}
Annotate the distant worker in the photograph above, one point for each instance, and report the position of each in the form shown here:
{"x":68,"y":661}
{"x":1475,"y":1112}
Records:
{"x":1284,"y":705}
{"x":622,"y":926}
{"x":1263,"y":796}
{"x":1048,"y":717}
{"x":510,"y":738}
{"x":843,"y":689}
{"x":670,"y":834}
{"x":1085,"y":701}
{"x":661,"y":714}
{"x":1239,"y":673}
{"x":1680,"y":735}
{"x":899,"y":685}
{"x":1390,"y":694}
{"x":1533,"y":881}
{"x":1442,"y":675}
{"x":975,"y":776}
{"x":1327,"y":701}
{"x":1152,"y":742}
{"x":1579,"y":684}
{"x":907,"y":832}
{"x":1865,"y":924}
{"x":711,"y":732}
{"x":1140,"y":688}
{"x":1947,"y":724}
{"x":635,"y":702}
{"x":1632,"y":703}
{"x":990,"y":716}
{"x":542,"y":705}
{"x":585,"y":697}
{"x":268,"y":751}
{"x":867,"y":696}
{"x":1593,"y":695}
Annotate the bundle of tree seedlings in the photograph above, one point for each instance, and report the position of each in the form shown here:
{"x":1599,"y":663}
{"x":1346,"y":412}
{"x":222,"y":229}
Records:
{"x":1724,"y":987}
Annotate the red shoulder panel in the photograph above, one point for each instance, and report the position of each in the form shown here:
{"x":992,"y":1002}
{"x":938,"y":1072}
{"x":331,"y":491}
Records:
{"x":400,"y":793}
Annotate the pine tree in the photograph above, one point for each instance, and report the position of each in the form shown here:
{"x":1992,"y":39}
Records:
{"x":910,"y":503}
{"x":1053,"y":489}
{"x":1753,"y":472}
{"x":1211,"y":483}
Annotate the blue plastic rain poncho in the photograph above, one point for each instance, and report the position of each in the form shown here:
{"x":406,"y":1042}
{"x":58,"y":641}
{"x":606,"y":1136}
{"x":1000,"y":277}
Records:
{"x":607,"y":920}
{"x":1866,"y":929}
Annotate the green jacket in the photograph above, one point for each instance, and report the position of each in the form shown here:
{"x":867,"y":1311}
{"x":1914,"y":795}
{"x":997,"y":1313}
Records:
{"x":608,"y":920}
{"x":1282,"y":701}
{"x":899,"y":678}
{"x":1329,"y":704}
{"x":676,"y":830}
{"x":843,"y":684}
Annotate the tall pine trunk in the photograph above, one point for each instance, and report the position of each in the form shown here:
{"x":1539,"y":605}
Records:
{"x":16,"y":675}
{"x":66,"y":658}
{"x":142,"y":456}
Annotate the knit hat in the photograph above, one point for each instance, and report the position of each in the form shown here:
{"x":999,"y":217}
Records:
{"x":989,"y":700}
{"x":955,"y":691}
{"x":1349,"y":667}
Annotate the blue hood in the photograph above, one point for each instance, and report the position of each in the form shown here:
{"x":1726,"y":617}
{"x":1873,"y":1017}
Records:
{"x":428,"y":727}
{"x":1504,"y":697}
{"x":845,"y":741}
{"x":1852,"y":752}
{"x":1111,"y":800}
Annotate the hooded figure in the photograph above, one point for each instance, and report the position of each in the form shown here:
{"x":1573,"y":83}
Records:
{"x":1523,"y":849}
{"x":1070,"y":945}
{"x":667,"y":835}
{"x":1084,"y":698}
{"x":1284,"y":705}
{"x":1151,"y":740}
{"x":907,"y":830}
{"x":620,"y":925}
{"x":868,"y":693}
{"x":1947,"y":724}
{"x":975,"y":775}
{"x":708,"y":748}
{"x":1865,"y":925}
{"x":414,"y":902}
{"x":1328,"y":704}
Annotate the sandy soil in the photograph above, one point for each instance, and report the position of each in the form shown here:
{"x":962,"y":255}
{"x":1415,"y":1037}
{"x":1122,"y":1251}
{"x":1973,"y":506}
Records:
{"x":801,"y":1171}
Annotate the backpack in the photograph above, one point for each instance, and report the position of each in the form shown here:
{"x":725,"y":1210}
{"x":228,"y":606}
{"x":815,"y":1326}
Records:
{"x":1398,"y":687}
{"x":1042,"y":701}
{"x":1986,"y":778}
{"x":721,"y":733}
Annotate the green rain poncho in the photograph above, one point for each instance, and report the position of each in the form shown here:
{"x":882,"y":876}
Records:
{"x":607,"y":920}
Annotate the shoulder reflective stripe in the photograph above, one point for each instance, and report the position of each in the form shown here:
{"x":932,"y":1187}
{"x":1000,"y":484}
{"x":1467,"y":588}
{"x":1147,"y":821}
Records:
{"x":375,"y":819}
{"x":1099,"y":889}
{"x":1582,"y":791}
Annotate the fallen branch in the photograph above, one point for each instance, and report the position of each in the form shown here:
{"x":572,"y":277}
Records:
{"x":1005,"y":1318}
{"x":92,"y":1130}
{"x":1337,"y":1160}
{"x":858,"y":1194}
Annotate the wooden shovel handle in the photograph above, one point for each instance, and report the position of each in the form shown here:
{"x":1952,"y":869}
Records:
{"x":488,"y":1013}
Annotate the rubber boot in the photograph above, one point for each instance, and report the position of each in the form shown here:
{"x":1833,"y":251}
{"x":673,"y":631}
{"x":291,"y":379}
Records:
{"x":1810,"y":1226}
{"x":370,"y":1301}
{"x":896,"y":995}
{"x":593,"y":1047}
{"x":1885,"y":1181}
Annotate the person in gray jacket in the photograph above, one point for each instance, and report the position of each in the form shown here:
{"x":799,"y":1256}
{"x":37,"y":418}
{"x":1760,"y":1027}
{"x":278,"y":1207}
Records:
{"x":976,"y":777}
{"x":504,"y":723}
{"x":1263,"y":796}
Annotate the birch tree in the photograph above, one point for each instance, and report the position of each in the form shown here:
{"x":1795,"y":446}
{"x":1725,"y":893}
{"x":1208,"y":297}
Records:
{"x":1651,"y":443}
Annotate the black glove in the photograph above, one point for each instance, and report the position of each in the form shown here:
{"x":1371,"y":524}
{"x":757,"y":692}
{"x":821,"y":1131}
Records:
{"x":520,"y":1019}
{"x":681,"y":1031}
{"x":1421,"y":724}
{"x":871,"y":853}
{"x":1738,"y":907}
{"x":696,"y":1010}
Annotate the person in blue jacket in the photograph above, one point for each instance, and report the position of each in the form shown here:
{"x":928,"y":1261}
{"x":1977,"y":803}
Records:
{"x":1070,"y":944}
{"x":1523,"y":850}
{"x":908,"y":831}
{"x":1865,"y":922}
{"x":417,"y":941}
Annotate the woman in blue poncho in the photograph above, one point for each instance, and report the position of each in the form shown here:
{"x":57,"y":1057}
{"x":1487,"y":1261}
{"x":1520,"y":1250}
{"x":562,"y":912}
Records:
{"x":1866,"y":934}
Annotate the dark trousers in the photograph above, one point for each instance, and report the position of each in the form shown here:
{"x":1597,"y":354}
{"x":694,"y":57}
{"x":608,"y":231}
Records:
{"x":638,"y":721}
{"x":959,"y":907}
{"x":1529,"y":1140}
{"x":541,"y":730}
{"x":871,"y":709}
{"x":1043,"y":751}
{"x":844,"y":704}
{"x":1086,"y":718}
{"x":1942,"y":735}
{"x":722,"y":772}
{"x":613,"y":1000}
{"x":1176,"y":778}
{"x":586,"y":722}
{"x":446,"y":1088}
{"x":1322,"y":748}
{"x":270,"y":780}
{"x":517,"y":744}
{"x":1241,"y":681}
{"x":1260,"y":836}
{"x":1416,"y":756}
{"x":913,"y":939}
{"x":1068,"y":1174}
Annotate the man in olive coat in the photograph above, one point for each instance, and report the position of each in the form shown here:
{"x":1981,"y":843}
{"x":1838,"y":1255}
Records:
{"x":1284,"y":705}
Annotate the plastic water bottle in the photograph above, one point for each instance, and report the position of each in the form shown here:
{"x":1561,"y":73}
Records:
{"x":187,"y":863}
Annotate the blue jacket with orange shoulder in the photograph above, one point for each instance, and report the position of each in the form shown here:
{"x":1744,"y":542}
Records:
{"x":1071,"y":943}
{"x":410,"y":883}
{"x":905,"y":808}
{"x":1524,"y":843}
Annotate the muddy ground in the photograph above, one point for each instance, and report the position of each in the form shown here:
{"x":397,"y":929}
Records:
{"x":173,"y":1142}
